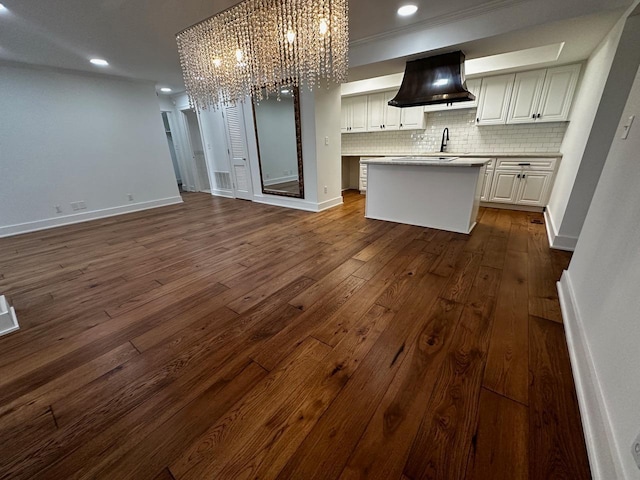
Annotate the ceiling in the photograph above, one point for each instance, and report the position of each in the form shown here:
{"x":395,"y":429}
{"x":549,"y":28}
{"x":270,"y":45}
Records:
{"x":137,"y":37}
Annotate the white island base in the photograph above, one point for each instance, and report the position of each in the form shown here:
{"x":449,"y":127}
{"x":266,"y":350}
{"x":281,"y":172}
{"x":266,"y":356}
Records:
{"x":442,"y":195}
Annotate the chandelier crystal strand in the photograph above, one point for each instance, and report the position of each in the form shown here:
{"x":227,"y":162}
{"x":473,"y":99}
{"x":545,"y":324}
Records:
{"x":263,"y":46}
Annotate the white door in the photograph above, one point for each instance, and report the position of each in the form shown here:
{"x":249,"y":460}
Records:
{"x":375,"y":112}
{"x":392,"y":114}
{"x":557,"y":93}
{"x":495,"y":95}
{"x":358,"y":114}
{"x":504,"y":187}
{"x":533,"y":188}
{"x":240,"y":170}
{"x":526,"y":96}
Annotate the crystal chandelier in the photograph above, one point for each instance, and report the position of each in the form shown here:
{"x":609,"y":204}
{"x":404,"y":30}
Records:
{"x":262,"y":46}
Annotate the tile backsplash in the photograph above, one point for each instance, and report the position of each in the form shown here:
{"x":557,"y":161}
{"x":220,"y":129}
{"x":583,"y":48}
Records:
{"x":464,"y":136}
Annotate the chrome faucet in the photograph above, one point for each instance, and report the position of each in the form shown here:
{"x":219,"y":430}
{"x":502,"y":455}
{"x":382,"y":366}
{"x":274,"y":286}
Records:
{"x":443,"y":144}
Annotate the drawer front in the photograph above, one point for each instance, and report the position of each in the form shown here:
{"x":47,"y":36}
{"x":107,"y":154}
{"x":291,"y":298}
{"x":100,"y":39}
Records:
{"x":527,"y":163}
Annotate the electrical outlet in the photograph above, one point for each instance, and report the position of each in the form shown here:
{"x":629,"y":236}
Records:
{"x":635,"y":450}
{"x":74,"y":206}
{"x":130,"y":196}
{"x":326,"y":140}
{"x":82,"y":205}
{"x":58,"y":209}
{"x":325,"y":189}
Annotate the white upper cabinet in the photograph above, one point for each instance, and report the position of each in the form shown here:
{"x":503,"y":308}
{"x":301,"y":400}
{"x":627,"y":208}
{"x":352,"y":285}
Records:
{"x":354,"y":115}
{"x":472,"y":85}
{"x":412,"y":118}
{"x":359,"y":114}
{"x":493,"y":104}
{"x":376,"y":111}
{"x":391,"y":114}
{"x":525,"y":99}
{"x":382,"y":117}
{"x":557,"y":93}
{"x":543,"y":95}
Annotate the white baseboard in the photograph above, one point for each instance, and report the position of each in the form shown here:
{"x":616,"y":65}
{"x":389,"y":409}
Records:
{"x":47,"y":223}
{"x":222,"y":193}
{"x":558,"y":242}
{"x":603,"y":459}
{"x":297,"y":203}
{"x":511,"y":206}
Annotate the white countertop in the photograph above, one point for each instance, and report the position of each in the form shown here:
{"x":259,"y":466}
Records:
{"x":427,"y":161}
{"x":461,"y":155}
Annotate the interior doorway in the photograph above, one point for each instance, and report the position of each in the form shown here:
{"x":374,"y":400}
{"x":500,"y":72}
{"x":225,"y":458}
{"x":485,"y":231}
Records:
{"x":172,"y":149}
{"x":196,"y":151}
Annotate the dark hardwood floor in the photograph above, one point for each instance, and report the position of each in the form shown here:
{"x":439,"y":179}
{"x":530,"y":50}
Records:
{"x":224,"y":339}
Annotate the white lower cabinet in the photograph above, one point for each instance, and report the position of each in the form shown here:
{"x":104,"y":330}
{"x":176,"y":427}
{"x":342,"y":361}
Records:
{"x":534,"y":187}
{"x":488,"y":179}
{"x":504,"y":187}
{"x":362,"y":183}
{"x":525,"y":181}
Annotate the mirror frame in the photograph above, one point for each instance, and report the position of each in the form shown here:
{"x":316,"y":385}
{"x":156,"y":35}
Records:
{"x":296,"y":112}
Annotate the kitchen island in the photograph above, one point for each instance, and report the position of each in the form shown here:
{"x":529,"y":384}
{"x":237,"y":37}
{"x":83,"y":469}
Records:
{"x":436,"y":192}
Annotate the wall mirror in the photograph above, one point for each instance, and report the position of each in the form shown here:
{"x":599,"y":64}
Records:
{"x":277,"y":124}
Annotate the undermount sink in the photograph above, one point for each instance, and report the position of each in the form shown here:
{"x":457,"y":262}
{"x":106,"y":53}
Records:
{"x":423,"y":159}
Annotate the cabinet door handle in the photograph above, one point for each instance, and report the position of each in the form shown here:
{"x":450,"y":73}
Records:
{"x":533,"y":116}
{"x":477,"y":119}
{"x":400,"y":125}
{"x":524,"y":164}
{"x":518,"y":175}
{"x":539,"y":115}
{"x":524,"y":176}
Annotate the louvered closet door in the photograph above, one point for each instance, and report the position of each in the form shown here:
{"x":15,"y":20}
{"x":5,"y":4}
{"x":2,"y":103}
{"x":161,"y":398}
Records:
{"x":238,"y":153}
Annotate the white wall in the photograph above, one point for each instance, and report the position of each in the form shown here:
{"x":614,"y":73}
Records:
{"x":605,"y":278}
{"x":328,"y":146}
{"x":603,"y":91}
{"x":68,"y":137}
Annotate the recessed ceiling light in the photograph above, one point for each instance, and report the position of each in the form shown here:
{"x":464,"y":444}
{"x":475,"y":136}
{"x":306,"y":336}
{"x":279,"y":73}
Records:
{"x":3,"y":9}
{"x":99,"y":61}
{"x":440,"y":82}
{"x":407,"y":10}
{"x":166,"y":90}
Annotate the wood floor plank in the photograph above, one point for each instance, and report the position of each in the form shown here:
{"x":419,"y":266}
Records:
{"x":507,"y":371}
{"x":500,"y":447}
{"x":441,"y":445}
{"x":556,"y":446}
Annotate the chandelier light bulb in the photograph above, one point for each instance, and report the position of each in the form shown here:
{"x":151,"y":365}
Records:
{"x":239,"y":55}
{"x":324,"y":26}
{"x":217,"y":62}
{"x":291,"y":36}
